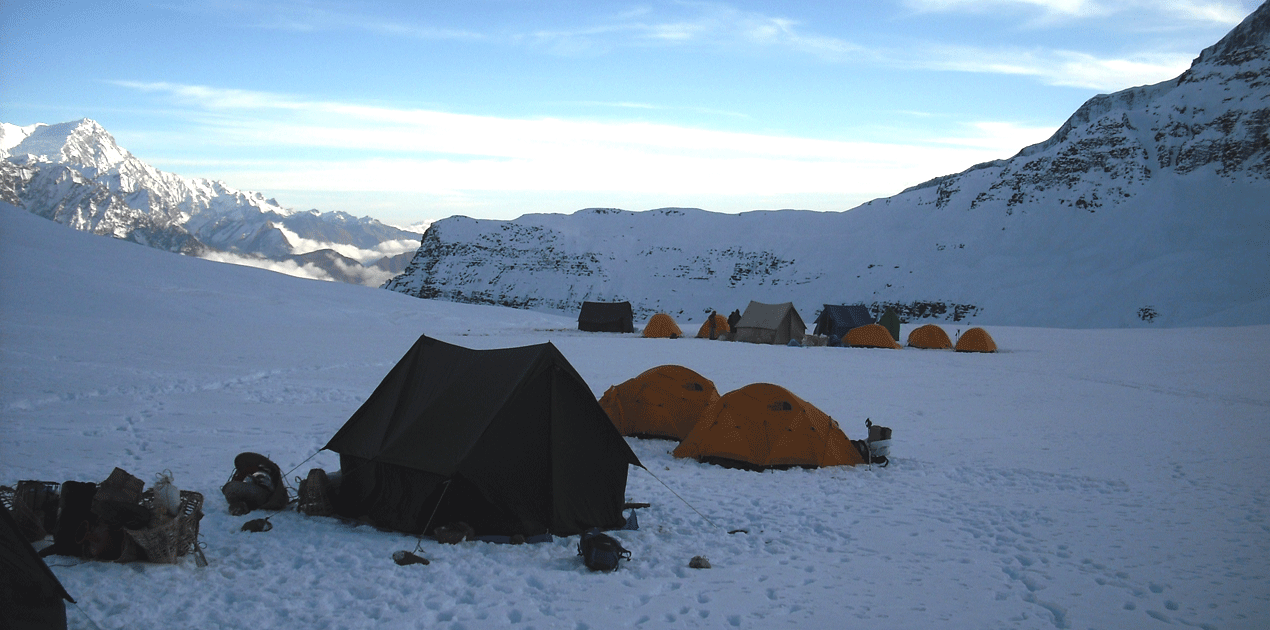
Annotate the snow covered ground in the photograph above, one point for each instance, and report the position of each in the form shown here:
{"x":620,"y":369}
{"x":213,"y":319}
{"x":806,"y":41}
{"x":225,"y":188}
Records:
{"x":1077,"y":479}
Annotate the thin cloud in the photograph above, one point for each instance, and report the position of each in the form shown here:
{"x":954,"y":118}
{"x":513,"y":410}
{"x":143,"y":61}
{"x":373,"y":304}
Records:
{"x":1053,"y":67}
{"x":307,"y":17}
{"x":652,"y":107}
{"x":1217,"y":12}
{"x":1064,"y":8}
{"x":723,"y":26}
{"x":706,"y":24}
{"x":720,"y":25}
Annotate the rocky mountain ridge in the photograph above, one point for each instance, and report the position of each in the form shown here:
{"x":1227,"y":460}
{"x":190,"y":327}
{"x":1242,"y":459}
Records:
{"x":75,"y":173}
{"x":1147,"y":207}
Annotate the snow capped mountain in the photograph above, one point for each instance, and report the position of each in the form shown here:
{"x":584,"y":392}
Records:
{"x":75,"y":174}
{"x":1149,"y":206}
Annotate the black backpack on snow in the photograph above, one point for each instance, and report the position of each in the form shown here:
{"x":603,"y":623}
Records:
{"x":601,"y":552}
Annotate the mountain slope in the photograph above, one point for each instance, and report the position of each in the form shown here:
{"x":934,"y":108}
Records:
{"x":75,"y":174}
{"x":1147,"y":207}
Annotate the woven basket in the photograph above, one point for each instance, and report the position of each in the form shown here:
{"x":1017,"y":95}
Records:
{"x":171,"y":538}
{"x":28,"y":505}
{"x":120,"y":487}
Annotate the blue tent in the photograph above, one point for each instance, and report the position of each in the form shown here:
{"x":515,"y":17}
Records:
{"x":836,"y":319}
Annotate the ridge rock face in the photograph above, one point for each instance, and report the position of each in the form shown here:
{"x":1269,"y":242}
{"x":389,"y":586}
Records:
{"x":1148,"y":207}
{"x":75,"y":174}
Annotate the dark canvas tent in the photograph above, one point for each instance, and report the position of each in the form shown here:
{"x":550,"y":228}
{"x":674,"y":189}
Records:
{"x":510,"y":441}
{"x":606,"y":317}
{"x":770,"y":323}
{"x":836,"y":319}
{"x":30,"y":595}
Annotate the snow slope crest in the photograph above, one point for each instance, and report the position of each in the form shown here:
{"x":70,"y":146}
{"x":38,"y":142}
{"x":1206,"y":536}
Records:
{"x":1145,"y":208}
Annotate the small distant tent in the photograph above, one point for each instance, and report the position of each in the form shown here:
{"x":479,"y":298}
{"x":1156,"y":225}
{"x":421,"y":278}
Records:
{"x":770,"y":323}
{"x":836,"y":319}
{"x":662,"y":326}
{"x":766,"y":426}
{"x":870,"y":336}
{"x":664,"y":402}
{"x":510,"y":441}
{"x":891,"y":322}
{"x":30,"y":595}
{"x":715,"y":326}
{"x":929,"y":337}
{"x":976,"y":340}
{"x":606,"y":317}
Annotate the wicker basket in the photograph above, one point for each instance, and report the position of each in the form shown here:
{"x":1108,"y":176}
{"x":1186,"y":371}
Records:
{"x":171,"y":537}
{"x":29,"y":505}
{"x":119,"y":487}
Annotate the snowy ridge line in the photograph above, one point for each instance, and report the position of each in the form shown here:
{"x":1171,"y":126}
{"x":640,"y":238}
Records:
{"x":75,"y":174}
{"x":1122,"y":218}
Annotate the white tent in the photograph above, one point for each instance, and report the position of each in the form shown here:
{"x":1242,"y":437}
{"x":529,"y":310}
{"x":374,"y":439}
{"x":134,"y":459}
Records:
{"x":770,"y":323}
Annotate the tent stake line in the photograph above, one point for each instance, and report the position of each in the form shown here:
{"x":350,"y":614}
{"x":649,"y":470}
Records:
{"x":681,"y":498}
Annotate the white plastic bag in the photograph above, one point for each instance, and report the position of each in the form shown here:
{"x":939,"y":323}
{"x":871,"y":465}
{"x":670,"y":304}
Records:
{"x":167,"y":498}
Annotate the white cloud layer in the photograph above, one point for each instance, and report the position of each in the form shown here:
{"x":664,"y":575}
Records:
{"x":301,"y":245}
{"x":289,"y":268}
{"x":369,"y":276}
{"x":441,"y":153}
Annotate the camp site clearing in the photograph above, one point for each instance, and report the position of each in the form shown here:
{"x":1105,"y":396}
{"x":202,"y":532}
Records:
{"x":1075,"y":478}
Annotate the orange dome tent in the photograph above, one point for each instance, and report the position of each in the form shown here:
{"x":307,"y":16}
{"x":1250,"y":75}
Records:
{"x":976,"y":340}
{"x":870,"y":336}
{"x":766,"y":426}
{"x":662,"y":326}
{"x":929,"y":337}
{"x":720,"y":326}
{"x":664,"y":402}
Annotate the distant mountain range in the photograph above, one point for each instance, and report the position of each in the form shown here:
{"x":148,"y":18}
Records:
{"x":74,"y":173}
{"x":1148,"y":207}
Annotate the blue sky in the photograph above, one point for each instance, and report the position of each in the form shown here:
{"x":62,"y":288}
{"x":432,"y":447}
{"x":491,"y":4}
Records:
{"x":408,"y":111}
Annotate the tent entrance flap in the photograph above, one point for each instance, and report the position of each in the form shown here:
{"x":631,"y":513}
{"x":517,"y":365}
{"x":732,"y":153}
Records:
{"x":405,"y":500}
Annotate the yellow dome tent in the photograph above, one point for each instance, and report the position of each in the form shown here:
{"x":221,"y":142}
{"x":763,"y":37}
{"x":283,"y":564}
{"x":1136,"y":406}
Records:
{"x":766,"y":426}
{"x":661,"y":326}
{"x":870,"y":336}
{"x":929,"y":337}
{"x":976,"y":340}
{"x":664,"y":402}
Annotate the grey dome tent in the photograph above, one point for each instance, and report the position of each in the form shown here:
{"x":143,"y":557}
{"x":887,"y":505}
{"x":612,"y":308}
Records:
{"x":30,"y":595}
{"x":770,"y":323}
{"x":836,"y":319}
{"x":510,"y":441}
{"x":606,"y":317}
